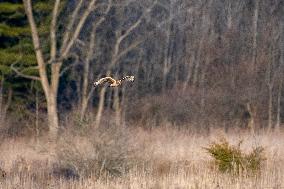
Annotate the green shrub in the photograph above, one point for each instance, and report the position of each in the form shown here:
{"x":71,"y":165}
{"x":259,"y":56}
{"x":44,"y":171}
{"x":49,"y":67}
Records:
{"x":255,"y":158}
{"x":230,"y":158}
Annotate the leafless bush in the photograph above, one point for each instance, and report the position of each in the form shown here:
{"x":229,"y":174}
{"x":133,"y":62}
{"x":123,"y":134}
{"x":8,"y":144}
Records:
{"x":172,"y":107}
{"x":101,"y":152}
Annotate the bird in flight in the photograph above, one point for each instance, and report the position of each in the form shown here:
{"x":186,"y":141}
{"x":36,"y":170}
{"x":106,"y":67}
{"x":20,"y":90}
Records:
{"x":113,"y":82}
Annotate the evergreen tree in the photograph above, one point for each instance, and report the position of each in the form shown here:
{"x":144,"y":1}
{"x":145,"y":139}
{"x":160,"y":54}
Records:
{"x":17,"y":57}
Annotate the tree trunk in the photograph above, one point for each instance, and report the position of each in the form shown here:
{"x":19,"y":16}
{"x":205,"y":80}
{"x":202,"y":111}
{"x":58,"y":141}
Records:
{"x":52,"y":115}
{"x":269,"y":126}
{"x":190,"y":55}
{"x":167,"y":62}
{"x":189,"y":72}
{"x":50,"y":90}
{"x":251,"y":123}
{"x":123,"y":108}
{"x":278,"y":117}
{"x":117,"y":107}
{"x":205,"y":27}
{"x":84,"y":106}
{"x":4,"y":105}
{"x":100,"y":107}
{"x":270,"y":80}
{"x":84,"y":98}
{"x":255,"y":33}
{"x":229,"y":15}
{"x":1,"y":102}
{"x":167,"y":49}
{"x":37,"y":118}
{"x":90,"y":53}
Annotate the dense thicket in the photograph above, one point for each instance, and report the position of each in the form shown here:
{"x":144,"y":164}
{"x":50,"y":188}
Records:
{"x":195,"y":61}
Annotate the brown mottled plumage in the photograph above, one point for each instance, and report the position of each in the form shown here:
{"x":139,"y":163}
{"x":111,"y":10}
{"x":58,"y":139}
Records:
{"x":113,"y":82}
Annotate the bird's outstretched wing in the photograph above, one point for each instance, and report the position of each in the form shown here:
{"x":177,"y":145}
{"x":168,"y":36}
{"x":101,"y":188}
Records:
{"x":128,"y":78}
{"x":104,"y":80}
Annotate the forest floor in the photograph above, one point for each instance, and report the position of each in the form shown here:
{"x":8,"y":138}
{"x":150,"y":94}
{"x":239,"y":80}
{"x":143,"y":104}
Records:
{"x":157,"y":158}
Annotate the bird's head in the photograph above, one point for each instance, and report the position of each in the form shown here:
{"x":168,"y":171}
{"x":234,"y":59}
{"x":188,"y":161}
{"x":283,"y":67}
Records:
{"x":96,"y":84}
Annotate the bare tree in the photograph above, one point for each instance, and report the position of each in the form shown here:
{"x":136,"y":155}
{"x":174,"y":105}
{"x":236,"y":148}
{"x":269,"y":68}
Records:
{"x":116,"y":56}
{"x":167,"y":62}
{"x":57,"y":56}
{"x":270,"y":84}
{"x":189,"y":51}
{"x":280,"y":77}
{"x":255,"y":32}
{"x":233,"y":10}
{"x":205,"y":31}
{"x":279,"y":95}
{"x":252,"y":67}
{"x":216,"y":47}
{"x":86,"y":92}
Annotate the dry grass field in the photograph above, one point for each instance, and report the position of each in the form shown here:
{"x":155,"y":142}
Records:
{"x":136,"y":158}
{"x":203,"y":108}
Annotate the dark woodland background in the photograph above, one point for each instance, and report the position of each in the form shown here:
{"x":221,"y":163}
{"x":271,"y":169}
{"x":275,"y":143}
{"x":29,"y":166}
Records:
{"x":197,"y":63}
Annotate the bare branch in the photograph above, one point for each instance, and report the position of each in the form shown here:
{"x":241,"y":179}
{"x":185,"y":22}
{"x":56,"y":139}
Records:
{"x":36,"y":43}
{"x":127,"y":32}
{"x":117,"y":55}
{"x":120,"y":39}
{"x":130,"y":29}
{"x":102,"y":19}
{"x":70,"y":25}
{"x":116,"y":4}
{"x":80,"y":42}
{"x":129,"y":48}
{"x":78,"y":29}
{"x":19,"y":73}
{"x":70,"y":66}
{"x":53,"y":47}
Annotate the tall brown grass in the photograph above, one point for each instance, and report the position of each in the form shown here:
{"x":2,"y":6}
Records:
{"x":121,"y":157}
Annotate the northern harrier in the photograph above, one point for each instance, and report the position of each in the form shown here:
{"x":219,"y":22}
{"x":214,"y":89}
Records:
{"x":113,"y":82}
